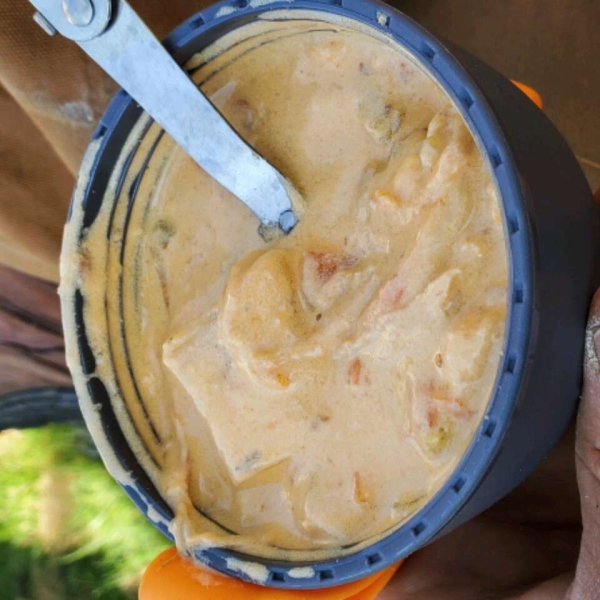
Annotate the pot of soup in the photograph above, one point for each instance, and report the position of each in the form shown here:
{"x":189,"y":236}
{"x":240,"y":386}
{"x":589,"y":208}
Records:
{"x":305,"y":410}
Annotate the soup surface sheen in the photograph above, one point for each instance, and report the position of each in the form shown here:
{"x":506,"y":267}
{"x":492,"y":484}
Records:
{"x":313,"y":392}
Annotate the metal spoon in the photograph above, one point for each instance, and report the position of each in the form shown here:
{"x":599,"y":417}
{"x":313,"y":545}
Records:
{"x":115,"y":37}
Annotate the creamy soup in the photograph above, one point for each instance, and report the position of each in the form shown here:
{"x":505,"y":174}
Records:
{"x":309,"y":393}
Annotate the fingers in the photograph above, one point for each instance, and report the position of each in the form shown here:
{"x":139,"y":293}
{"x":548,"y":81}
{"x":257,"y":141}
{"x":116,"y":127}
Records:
{"x":587,"y":580}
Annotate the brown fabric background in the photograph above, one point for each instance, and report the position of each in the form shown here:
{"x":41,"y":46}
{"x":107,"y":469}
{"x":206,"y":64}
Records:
{"x":31,"y":342}
{"x":51,"y":96}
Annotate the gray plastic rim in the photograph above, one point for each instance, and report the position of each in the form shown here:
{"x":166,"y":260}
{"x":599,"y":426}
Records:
{"x":431,"y":519}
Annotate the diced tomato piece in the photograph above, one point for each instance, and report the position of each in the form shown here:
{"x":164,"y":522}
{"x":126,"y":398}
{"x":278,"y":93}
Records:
{"x":329,"y":263}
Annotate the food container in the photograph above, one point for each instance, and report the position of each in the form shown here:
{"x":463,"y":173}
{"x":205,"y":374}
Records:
{"x":552,"y":232}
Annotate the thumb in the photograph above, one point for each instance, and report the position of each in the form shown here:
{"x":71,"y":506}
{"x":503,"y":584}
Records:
{"x":587,"y":579}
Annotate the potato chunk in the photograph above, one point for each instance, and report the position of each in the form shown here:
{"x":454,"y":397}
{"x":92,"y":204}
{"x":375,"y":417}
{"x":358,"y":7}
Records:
{"x":261,"y":309}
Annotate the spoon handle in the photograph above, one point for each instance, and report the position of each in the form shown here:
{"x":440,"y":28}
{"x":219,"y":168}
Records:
{"x":115,"y":37}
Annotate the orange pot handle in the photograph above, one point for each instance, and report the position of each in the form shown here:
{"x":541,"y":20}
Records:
{"x":170,"y":576}
{"x":371,"y":592}
{"x":530,"y":93}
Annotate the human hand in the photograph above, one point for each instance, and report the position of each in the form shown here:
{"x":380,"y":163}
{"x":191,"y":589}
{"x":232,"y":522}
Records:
{"x":542,"y":542}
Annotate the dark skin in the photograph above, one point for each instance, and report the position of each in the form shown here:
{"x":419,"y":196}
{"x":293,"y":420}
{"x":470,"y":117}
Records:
{"x":542,"y":542}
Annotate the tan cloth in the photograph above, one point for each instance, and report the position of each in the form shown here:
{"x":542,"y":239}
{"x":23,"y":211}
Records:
{"x":51,"y":97}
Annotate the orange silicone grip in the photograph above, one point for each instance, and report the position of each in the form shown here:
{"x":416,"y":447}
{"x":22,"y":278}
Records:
{"x":530,"y":93}
{"x":170,"y":576}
